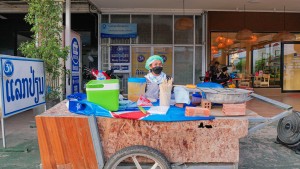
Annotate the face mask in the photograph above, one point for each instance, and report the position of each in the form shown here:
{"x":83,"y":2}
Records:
{"x":157,"y":70}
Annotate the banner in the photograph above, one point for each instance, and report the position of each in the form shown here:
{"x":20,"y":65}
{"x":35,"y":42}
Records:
{"x":76,"y":61}
{"x":22,"y":84}
{"x":120,"y":59}
{"x":139,"y":56}
{"x":167,"y":55}
{"x":118,"y":30}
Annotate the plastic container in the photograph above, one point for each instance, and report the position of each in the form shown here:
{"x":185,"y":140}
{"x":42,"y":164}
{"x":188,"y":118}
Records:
{"x":209,"y":84}
{"x":136,"y":87}
{"x":105,"y":93}
{"x":196,"y":99}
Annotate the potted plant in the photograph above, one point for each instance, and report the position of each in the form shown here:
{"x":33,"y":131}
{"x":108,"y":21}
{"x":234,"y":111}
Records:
{"x":45,"y":16}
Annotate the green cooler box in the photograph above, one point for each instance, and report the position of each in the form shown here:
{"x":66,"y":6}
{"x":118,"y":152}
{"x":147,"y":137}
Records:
{"x":104,"y":93}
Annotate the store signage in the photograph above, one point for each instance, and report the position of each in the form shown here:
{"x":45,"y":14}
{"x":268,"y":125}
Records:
{"x":120,"y":68}
{"x":124,"y":67}
{"x":118,"y":30}
{"x":115,"y":67}
{"x":22,"y":84}
{"x":75,"y":84}
{"x":75,"y":54}
{"x":119,"y":54}
{"x":75,"y":62}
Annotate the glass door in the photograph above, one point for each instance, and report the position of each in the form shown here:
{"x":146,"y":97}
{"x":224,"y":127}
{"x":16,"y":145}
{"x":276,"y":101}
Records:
{"x":291,"y":67}
{"x":266,"y":60}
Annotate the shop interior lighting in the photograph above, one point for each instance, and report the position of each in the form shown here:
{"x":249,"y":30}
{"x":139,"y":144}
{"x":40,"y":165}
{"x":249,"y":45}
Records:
{"x":221,"y":45}
{"x":228,"y":42}
{"x":220,"y":39}
{"x":284,"y":35}
{"x":184,"y":23}
{"x":244,"y":34}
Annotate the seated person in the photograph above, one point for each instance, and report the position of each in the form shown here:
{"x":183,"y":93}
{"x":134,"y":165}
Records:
{"x":214,"y":71}
{"x":154,"y":65}
{"x":223,"y":77}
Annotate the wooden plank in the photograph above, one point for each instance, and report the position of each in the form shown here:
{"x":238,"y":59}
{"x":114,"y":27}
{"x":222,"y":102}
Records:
{"x":55,"y":140}
{"x":65,"y":166}
{"x":47,"y":158}
{"x":64,"y":140}
{"x":74,"y":151}
{"x":86,"y":143}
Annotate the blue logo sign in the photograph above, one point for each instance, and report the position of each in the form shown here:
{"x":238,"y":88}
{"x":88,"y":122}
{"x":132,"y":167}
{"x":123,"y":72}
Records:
{"x":140,"y":58}
{"x":75,"y":54}
{"x":8,"y":68}
{"x":164,"y":58}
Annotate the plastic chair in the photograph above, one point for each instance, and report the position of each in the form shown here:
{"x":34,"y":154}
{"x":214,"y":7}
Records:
{"x":265,"y":80}
{"x":245,"y":82}
{"x":257,"y":81}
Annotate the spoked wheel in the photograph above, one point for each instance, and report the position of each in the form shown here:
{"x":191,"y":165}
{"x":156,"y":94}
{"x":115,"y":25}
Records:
{"x":288,"y":129}
{"x":138,"y":157}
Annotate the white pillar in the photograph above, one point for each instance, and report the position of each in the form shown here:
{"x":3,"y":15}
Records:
{"x":68,"y":43}
{"x":99,"y":42}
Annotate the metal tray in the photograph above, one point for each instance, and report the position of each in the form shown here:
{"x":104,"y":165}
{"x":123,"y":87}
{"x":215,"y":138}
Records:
{"x":227,"y":95}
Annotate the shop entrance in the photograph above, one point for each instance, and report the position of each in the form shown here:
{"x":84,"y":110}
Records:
{"x":291,"y":66}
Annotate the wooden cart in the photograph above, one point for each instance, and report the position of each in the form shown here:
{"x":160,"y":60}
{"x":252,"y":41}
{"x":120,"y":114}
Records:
{"x":68,"y":140}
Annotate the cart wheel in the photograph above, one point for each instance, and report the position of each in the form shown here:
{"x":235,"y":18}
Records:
{"x":130,"y":156}
{"x":288,"y":129}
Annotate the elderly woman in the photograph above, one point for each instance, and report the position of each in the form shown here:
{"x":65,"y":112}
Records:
{"x":154,"y":65}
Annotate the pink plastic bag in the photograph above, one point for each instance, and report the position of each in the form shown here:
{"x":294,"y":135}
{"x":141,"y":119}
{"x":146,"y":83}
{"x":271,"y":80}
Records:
{"x":143,"y":101}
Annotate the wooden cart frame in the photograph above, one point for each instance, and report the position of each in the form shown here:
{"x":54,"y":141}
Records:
{"x":56,"y":146}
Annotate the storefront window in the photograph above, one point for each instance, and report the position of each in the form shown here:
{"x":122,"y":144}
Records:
{"x":183,"y":64}
{"x":199,"y":29}
{"x":291,"y":64}
{"x":266,"y":60}
{"x":198,"y":64}
{"x":162,"y":29}
{"x":104,"y":19}
{"x":143,"y":29}
{"x":183,"y":55}
{"x":257,"y":58}
{"x":183,"y":36}
{"x":238,"y":61}
{"x":120,"y":19}
{"x":104,"y":57}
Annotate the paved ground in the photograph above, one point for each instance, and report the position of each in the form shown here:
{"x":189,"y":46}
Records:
{"x":257,"y":151}
{"x":22,"y":150}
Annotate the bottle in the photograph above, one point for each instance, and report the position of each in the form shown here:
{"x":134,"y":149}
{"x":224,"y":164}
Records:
{"x":100,"y":76}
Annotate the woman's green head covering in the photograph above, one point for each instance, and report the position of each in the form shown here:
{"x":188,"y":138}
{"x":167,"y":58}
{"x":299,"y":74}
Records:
{"x":151,"y":59}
